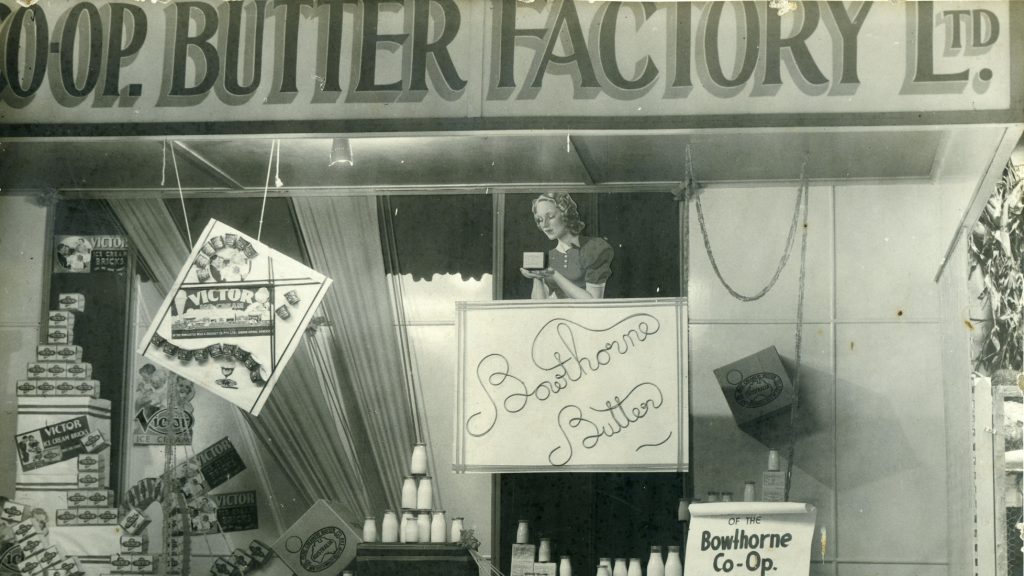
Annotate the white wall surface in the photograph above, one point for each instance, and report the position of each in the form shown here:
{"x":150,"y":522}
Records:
{"x":871,"y":454}
{"x":22,"y":258}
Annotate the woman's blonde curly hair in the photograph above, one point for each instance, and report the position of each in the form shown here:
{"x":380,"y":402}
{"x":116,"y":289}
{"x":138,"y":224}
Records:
{"x":566,"y":206}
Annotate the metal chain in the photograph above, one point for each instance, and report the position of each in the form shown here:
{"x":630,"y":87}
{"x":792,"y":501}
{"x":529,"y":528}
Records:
{"x":711,"y":254}
{"x":173,"y":502}
{"x":791,"y":449}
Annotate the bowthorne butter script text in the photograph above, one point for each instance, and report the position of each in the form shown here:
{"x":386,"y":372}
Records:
{"x":566,"y":353}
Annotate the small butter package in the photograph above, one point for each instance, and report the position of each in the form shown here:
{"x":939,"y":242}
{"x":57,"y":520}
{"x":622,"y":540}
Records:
{"x":91,"y":463}
{"x":68,"y":353}
{"x":45,"y":370}
{"x":142,"y":563}
{"x":12,"y":512}
{"x":59,"y":336}
{"x":91,"y":481}
{"x":260,"y":551}
{"x":90,"y":498}
{"x":27,"y":528}
{"x":134,"y":544}
{"x":134,"y":522}
{"x":46,"y":388}
{"x":94,"y":442}
{"x":33,"y":544}
{"x":61,"y":319}
{"x":172,"y":564}
{"x":106,"y":516}
{"x":222,"y":567}
{"x":243,"y":560}
{"x":66,"y":517}
{"x":27,"y":387}
{"x":88,"y":516}
{"x":535,"y":260}
{"x":50,"y":557}
{"x":120,"y":563}
{"x":72,"y":302}
{"x":30,"y":566}
{"x":70,"y":565}
{"x":79,"y":370}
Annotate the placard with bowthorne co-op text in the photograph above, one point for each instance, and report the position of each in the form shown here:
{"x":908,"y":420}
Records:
{"x":570,"y":386}
{"x":747,"y":538}
{"x":234,"y":316}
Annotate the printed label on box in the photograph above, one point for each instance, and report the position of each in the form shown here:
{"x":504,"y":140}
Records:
{"x":52,"y":444}
{"x":237,"y":511}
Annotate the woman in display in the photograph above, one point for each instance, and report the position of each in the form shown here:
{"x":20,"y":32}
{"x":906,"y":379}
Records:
{"x":578,"y":266}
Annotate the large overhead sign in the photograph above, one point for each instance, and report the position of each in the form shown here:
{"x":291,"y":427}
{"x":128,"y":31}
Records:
{"x":67,"y":61}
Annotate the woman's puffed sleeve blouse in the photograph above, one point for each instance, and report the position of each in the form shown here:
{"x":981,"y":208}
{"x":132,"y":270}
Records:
{"x":596,"y":256}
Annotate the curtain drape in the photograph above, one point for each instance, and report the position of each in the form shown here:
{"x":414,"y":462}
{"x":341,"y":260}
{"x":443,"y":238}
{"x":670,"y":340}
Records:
{"x":153,"y":236}
{"x":307,"y":425}
{"x":343,"y":242}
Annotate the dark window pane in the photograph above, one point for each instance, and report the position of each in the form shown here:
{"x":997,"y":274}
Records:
{"x":444,"y":234}
{"x":101,"y":330}
{"x":644,"y":230}
{"x":243,"y":214}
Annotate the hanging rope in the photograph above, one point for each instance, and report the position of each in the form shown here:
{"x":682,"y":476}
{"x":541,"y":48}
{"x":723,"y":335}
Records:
{"x":711,"y":254}
{"x":181,"y":195}
{"x":163,"y":166}
{"x":270,"y":164}
{"x":277,"y":167}
{"x":803,"y":195}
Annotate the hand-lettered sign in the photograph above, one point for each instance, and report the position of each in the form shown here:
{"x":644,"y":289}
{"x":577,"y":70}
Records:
{"x":588,"y":385}
{"x":748,"y":538}
{"x":234,"y":316}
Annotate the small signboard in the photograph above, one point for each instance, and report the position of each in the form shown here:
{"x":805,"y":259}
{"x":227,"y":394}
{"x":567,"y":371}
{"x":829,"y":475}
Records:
{"x":208,"y":469}
{"x":319,"y":542}
{"x":747,"y":538}
{"x":234,"y":316}
{"x":237,"y":511}
{"x":84,"y":254}
{"x":572,"y":386}
{"x":53,"y":443}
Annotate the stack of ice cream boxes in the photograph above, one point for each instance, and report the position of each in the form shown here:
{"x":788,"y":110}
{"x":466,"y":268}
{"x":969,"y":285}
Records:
{"x":58,"y":369}
{"x":62,"y":508}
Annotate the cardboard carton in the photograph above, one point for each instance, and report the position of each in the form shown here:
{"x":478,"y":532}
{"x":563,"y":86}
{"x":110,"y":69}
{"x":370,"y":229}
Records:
{"x":319,"y":542}
{"x":756,"y":386}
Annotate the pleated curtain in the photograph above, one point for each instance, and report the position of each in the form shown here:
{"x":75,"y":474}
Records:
{"x":344,"y":384}
{"x":343,"y":241}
